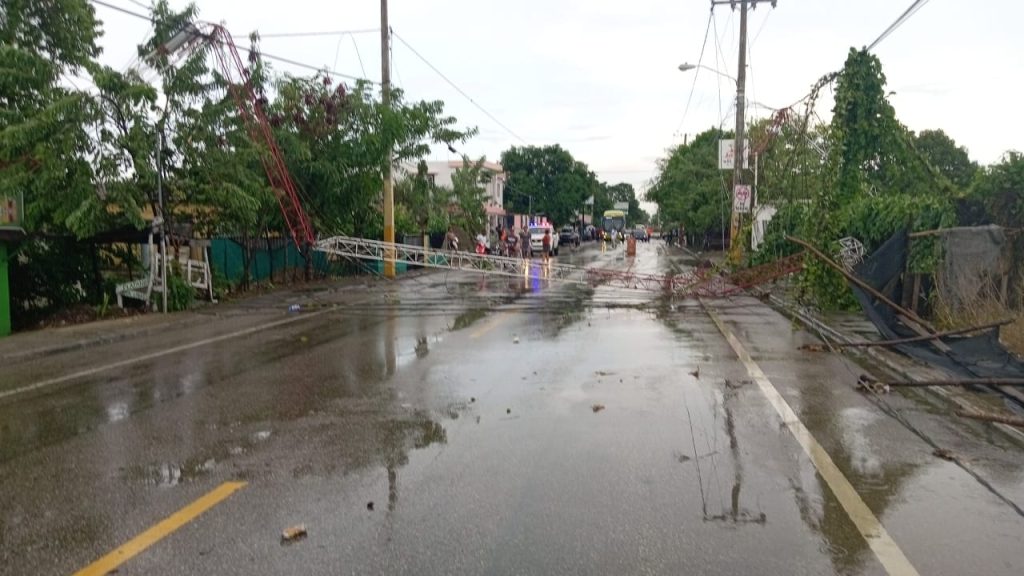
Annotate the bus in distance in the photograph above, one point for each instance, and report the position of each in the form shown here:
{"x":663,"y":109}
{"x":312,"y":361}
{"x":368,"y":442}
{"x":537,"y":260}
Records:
{"x":614,"y":220}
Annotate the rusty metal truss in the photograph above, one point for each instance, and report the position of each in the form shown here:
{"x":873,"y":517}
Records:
{"x":696,"y":282}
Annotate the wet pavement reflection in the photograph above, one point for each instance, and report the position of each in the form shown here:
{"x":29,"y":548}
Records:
{"x":454,"y":423}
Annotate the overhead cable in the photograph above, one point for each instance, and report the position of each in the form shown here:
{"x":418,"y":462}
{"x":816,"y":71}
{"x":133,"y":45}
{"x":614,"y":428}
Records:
{"x":696,"y":71}
{"x":246,"y":48}
{"x":457,"y":89}
{"x":917,"y":5}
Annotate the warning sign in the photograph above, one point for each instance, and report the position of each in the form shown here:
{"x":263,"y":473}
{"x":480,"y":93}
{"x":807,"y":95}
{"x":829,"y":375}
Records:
{"x":741,"y":199}
{"x":10,"y":210}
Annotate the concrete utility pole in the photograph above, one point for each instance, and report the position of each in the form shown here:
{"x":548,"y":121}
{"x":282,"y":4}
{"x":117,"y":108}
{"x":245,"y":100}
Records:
{"x":738,"y":151}
{"x":389,"y":187}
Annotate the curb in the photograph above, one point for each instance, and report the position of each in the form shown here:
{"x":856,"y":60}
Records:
{"x":879,"y":356}
{"x":85,"y":343}
{"x":119,"y":336}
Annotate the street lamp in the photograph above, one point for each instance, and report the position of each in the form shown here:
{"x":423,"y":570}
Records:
{"x":686,"y":67}
{"x":738,"y":152}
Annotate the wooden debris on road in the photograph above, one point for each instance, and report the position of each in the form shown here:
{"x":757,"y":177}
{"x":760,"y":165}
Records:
{"x":294,"y":533}
{"x":999,"y":418}
{"x":956,"y":332}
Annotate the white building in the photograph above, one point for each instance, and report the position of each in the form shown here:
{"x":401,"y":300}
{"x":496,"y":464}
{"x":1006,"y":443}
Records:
{"x":440,"y":174}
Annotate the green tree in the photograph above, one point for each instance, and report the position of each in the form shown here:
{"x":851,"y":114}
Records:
{"x":943,"y":153}
{"x":468,"y":196}
{"x":335,"y":142}
{"x":1000,"y":189}
{"x":557,"y":182}
{"x":624,"y":192}
{"x":44,"y":145}
{"x":689,"y":188}
{"x":425,"y":206}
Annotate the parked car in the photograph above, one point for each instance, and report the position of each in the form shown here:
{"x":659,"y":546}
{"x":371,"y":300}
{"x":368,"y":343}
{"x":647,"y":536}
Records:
{"x":537,"y":239}
{"x":569,"y":236}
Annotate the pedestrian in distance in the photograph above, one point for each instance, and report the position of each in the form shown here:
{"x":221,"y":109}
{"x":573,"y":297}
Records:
{"x":451,"y":240}
{"x":524,"y":243}
{"x":546,"y":243}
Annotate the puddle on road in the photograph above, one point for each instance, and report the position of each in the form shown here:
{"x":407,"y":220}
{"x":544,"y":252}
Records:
{"x":168,"y":474}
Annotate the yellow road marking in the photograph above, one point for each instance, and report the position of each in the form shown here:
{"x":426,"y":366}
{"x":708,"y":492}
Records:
{"x":884,"y":547}
{"x":158,"y":532}
{"x":489,"y":326}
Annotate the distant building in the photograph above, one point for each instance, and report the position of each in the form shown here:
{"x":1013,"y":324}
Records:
{"x":440,"y":174}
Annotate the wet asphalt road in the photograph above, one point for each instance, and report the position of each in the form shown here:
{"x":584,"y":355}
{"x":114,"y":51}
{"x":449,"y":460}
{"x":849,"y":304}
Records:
{"x":496,"y":426}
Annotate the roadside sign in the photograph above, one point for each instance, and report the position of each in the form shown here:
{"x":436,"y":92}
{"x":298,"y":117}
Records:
{"x":624,"y":206}
{"x":741,"y":199}
{"x":727,"y":154}
{"x":10,"y":211}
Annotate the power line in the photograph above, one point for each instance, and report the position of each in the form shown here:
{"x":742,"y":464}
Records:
{"x":696,"y":72}
{"x":308,"y":34}
{"x":457,"y":89}
{"x":761,"y":28}
{"x":246,"y":48}
{"x":917,"y":5}
{"x":120,"y":9}
{"x":141,"y":5}
{"x":358,"y":55}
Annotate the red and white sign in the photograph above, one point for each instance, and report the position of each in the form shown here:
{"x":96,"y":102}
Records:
{"x":741,"y":199}
{"x":727,"y":154}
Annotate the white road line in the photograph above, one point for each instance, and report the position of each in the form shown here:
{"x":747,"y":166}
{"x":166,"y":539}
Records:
{"x":884,"y":547}
{"x":160,"y":354}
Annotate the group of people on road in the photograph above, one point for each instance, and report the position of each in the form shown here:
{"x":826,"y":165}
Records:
{"x":615,"y":237}
{"x":514,"y":242}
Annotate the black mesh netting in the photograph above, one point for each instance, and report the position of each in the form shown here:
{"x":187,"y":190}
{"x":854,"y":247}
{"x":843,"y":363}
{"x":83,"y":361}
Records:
{"x":981,"y":356}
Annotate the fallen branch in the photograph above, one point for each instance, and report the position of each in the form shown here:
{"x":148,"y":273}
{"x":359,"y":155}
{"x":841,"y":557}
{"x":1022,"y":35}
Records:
{"x":921,"y":338}
{"x":862,"y":284}
{"x":1008,"y":420}
{"x":960,"y":382}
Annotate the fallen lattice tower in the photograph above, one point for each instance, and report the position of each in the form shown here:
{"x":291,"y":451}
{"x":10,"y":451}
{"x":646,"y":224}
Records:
{"x":695,"y":282}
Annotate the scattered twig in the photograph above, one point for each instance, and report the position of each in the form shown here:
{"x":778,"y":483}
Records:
{"x":959,"y":382}
{"x":1001,"y":419}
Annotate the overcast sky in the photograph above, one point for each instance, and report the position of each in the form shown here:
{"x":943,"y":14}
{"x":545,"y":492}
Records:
{"x":600,"y":77}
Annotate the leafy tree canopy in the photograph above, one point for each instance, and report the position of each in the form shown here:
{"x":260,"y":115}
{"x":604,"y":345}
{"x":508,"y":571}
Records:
{"x":558,"y":183}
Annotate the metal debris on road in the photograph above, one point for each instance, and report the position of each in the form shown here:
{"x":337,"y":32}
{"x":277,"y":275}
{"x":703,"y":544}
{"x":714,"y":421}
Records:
{"x":369,"y":505}
{"x":866,"y":383}
{"x":696,"y":373}
{"x":597,"y":408}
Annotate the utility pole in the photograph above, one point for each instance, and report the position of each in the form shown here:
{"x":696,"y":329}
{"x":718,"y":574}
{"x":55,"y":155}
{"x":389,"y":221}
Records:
{"x":163,"y":219}
{"x":389,"y":189}
{"x":738,"y":152}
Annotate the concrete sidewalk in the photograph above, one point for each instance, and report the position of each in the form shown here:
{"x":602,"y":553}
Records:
{"x":854,"y":327}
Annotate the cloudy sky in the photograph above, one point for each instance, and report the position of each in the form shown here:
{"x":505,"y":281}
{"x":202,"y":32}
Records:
{"x":600,"y":77}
